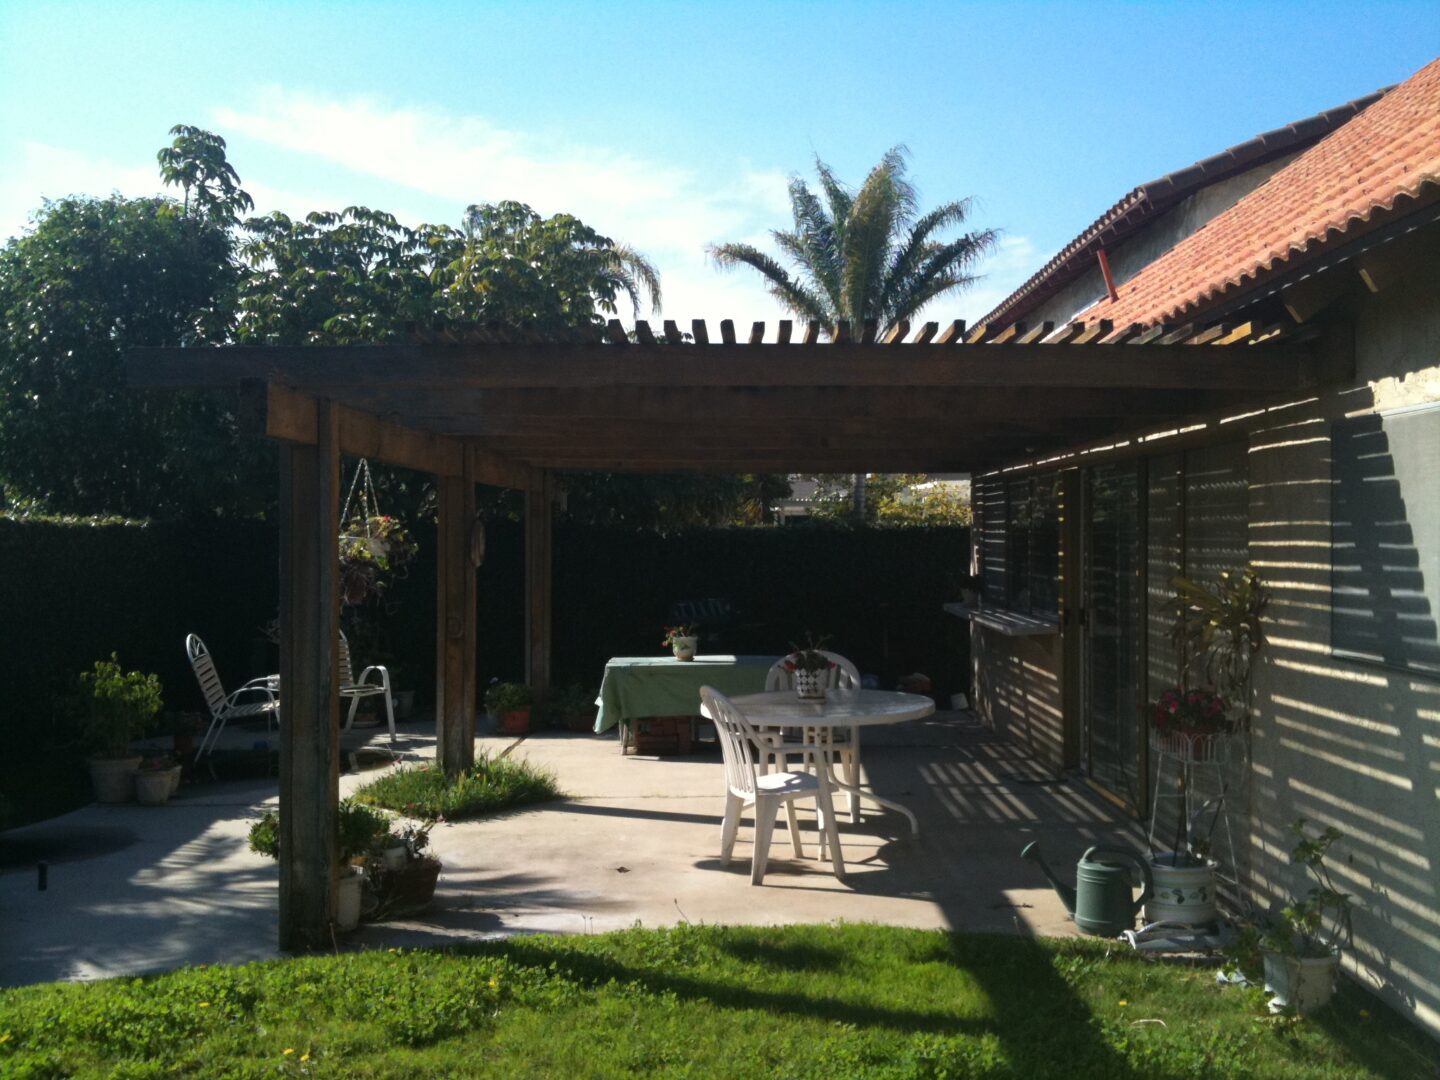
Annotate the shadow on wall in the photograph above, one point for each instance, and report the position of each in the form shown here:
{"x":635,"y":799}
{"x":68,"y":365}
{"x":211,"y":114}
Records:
{"x":1337,"y":740}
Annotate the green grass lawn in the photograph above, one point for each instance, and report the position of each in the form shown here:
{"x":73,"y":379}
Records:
{"x":701,"y":1001}
{"x":489,"y":786}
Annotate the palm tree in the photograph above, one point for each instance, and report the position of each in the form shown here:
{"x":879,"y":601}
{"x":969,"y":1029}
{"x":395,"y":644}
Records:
{"x":864,"y":254}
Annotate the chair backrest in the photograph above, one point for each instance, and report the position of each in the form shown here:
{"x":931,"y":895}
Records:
{"x":843,"y":676}
{"x":205,"y":672}
{"x":737,"y":740}
{"x":347,"y":669}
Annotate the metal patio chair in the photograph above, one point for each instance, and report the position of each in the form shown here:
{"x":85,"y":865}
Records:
{"x":224,"y":707}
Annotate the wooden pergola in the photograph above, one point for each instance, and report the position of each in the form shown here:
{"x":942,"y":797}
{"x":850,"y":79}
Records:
{"x":482,"y":405}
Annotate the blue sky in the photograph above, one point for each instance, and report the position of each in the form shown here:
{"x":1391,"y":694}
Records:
{"x":674,"y":125}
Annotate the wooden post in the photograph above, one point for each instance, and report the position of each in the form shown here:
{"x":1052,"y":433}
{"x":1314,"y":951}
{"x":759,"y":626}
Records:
{"x":309,"y":683}
{"x":539,"y":534}
{"x":455,"y":626}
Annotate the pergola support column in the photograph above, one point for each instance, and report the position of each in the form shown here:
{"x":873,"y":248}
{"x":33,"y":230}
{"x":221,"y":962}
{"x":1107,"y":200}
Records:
{"x":539,"y":566}
{"x":309,"y":683}
{"x":455,"y":625}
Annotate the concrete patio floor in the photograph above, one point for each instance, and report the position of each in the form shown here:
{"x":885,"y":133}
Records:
{"x":135,"y":889}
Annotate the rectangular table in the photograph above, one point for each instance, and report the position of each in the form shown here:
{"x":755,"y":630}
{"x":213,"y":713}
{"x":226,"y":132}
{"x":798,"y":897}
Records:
{"x":636,"y":687}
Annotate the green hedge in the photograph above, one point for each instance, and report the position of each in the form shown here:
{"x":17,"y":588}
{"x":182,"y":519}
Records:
{"x":73,"y":592}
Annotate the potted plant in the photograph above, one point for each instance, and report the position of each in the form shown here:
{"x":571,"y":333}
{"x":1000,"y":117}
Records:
{"x":359,"y":830}
{"x":510,"y":704}
{"x":811,"y":668}
{"x":1302,"y":951}
{"x":184,"y":728}
{"x":373,"y":551}
{"x":681,"y":640}
{"x":119,"y":707}
{"x":574,"y":707}
{"x":156,"y":779}
{"x":402,"y":882}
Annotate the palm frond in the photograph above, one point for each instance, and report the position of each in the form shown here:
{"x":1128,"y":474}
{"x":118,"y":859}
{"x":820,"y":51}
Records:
{"x":803,"y":301}
{"x":817,"y":234}
{"x":879,"y":207}
{"x":640,"y":273}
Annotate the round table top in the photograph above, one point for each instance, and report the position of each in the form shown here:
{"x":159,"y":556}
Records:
{"x":782,"y":708}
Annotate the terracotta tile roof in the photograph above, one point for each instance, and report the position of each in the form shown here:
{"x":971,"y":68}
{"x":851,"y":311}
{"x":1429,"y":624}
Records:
{"x":1376,"y":167}
{"x":1150,"y":199}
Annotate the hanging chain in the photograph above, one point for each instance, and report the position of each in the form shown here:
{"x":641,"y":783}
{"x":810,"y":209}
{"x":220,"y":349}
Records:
{"x":369,"y":505}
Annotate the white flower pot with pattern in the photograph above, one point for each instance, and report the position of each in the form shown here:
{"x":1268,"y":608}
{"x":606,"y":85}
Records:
{"x":684,"y":647}
{"x":810,"y":684}
{"x":1183,"y":894}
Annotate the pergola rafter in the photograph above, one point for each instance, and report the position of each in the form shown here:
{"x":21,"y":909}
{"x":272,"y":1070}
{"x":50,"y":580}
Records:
{"x":510,"y":407}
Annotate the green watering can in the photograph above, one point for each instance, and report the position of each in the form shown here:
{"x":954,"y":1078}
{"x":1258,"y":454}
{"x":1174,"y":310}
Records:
{"x":1100,"y":902}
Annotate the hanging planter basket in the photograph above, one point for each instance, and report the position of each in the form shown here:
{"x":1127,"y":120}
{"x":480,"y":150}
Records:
{"x":374,"y":548}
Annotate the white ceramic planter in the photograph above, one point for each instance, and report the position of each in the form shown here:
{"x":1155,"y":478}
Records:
{"x":347,"y":898}
{"x":394,"y":858}
{"x":1304,"y":984}
{"x":112,"y":778}
{"x":810,"y":684}
{"x":684,"y":647}
{"x":1183,"y":894}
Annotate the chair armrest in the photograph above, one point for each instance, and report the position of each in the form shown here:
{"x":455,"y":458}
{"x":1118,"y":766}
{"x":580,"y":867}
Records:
{"x":259,"y":687}
{"x":384,"y":675}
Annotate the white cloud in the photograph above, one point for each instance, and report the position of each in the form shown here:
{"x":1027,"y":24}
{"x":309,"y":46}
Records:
{"x":53,"y":172}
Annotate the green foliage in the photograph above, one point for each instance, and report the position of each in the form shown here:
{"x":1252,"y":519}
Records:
{"x":1218,"y":626}
{"x":93,"y":278}
{"x":490,"y":786}
{"x":1319,"y":922}
{"x":195,"y":161}
{"x":867,"y":254}
{"x":852,"y":1000}
{"x":359,"y":830}
{"x":507,"y":697}
{"x":898,"y":499}
{"x":119,"y":706}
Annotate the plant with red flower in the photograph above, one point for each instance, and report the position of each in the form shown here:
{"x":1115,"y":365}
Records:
{"x":1190,"y":712}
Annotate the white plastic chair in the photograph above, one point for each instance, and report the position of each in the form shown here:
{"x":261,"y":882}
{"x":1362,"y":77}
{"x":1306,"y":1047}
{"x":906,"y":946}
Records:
{"x":844,"y":742}
{"x":224,"y":706}
{"x":766,"y":792}
{"x":355,"y":689}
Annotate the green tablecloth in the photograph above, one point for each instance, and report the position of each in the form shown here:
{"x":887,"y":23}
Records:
{"x":639,"y":686}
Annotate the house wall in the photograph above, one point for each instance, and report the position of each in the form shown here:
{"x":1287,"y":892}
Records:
{"x":1016,"y":687}
{"x":1340,"y":742}
{"x":1150,"y":242}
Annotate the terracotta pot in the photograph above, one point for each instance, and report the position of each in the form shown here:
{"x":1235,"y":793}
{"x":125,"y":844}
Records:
{"x":515,"y":721}
{"x":113,"y":778}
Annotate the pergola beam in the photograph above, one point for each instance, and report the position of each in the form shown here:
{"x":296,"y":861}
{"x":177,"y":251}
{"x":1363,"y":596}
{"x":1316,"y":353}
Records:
{"x":288,"y":416}
{"x":561,"y":366}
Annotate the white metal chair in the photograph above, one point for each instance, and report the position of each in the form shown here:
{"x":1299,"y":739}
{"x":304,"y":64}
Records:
{"x":766,"y":792}
{"x":224,"y":706}
{"x":844,"y":742}
{"x":355,"y":689}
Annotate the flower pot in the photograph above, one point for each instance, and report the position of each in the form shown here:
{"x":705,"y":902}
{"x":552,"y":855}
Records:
{"x":580,"y":721}
{"x":153,"y":787}
{"x":348,"y":888}
{"x":175,"y":775}
{"x":394,"y":858}
{"x":113,"y":779}
{"x":404,"y":701}
{"x":515,"y":721}
{"x":410,"y":889}
{"x":684,"y":647}
{"x":1302,"y":983}
{"x":1183,"y":894}
{"x":810,"y":685}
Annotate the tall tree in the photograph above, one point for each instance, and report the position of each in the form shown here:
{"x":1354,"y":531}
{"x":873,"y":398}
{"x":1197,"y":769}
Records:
{"x":866,"y":254}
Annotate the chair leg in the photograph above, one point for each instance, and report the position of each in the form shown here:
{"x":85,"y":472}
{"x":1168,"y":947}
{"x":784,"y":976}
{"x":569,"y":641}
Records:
{"x":730,"y":826}
{"x":390,"y":716}
{"x":794,"y":828}
{"x":832,"y":835}
{"x":207,"y":745}
{"x":764,"y":826}
{"x":350,"y":718}
{"x":852,"y":779}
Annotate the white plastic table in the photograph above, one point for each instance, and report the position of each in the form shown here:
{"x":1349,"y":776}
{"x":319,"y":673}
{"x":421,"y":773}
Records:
{"x":839,"y":709}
